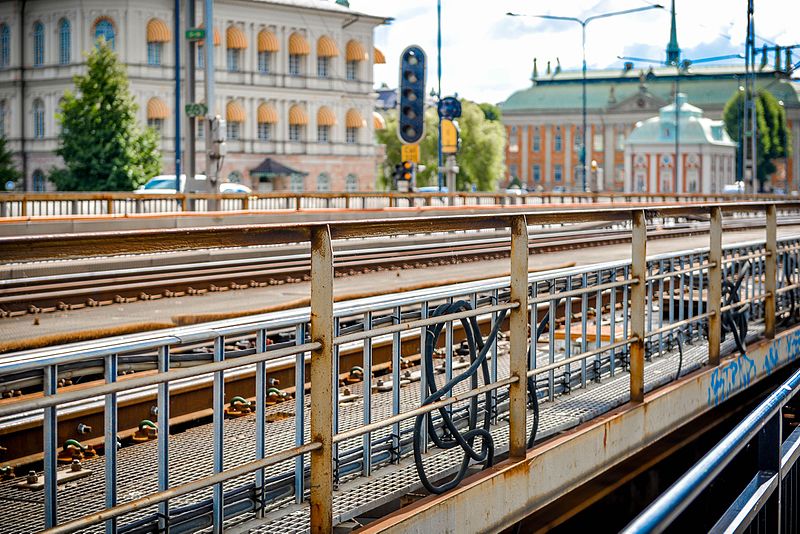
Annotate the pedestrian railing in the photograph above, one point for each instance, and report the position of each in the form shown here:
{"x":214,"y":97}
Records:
{"x":94,"y":204}
{"x":463,"y":403}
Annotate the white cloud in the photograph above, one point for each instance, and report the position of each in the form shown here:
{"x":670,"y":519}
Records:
{"x":487,"y":55}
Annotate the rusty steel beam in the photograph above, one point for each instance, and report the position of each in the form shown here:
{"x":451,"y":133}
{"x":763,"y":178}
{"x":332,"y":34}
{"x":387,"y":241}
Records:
{"x":771,"y":272}
{"x":638,"y":304}
{"x":518,"y":322}
{"x":715,"y":286}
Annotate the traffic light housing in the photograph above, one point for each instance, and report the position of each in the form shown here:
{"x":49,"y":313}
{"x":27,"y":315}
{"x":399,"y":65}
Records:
{"x":411,"y":123}
{"x":408,"y":171}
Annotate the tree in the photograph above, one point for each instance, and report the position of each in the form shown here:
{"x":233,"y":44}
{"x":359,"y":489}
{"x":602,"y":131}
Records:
{"x":774,"y":138}
{"x":103,"y":147}
{"x":480,"y":159}
{"x":8,"y":170}
{"x":490,"y":111}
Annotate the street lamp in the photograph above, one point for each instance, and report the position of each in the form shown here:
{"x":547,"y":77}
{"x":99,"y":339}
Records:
{"x":583,"y":23}
{"x":681,"y":66}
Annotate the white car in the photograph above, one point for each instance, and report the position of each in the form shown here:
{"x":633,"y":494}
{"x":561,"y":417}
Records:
{"x":164,"y":184}
{"x":735,"y":188}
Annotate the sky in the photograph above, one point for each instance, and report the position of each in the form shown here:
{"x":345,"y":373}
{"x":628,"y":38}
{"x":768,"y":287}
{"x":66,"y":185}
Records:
{"x":486,"y":55}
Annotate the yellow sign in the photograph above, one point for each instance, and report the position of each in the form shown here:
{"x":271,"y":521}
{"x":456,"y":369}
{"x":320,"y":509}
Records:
{"x":410,"y":153}
{"x":449,"y":137}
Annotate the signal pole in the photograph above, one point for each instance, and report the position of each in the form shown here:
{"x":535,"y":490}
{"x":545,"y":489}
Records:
{"x":749,"y":166}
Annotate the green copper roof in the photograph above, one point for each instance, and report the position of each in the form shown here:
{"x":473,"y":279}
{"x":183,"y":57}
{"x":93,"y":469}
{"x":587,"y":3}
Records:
{"x":694,"y":128}
{"x":710,"y":88}
{"x":673,"y":50}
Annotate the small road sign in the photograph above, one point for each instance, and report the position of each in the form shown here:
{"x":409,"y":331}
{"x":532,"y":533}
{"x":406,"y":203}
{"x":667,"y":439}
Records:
{"x":195,"y":34}
{"x":449,"y":137}
{"x":410,"y":153}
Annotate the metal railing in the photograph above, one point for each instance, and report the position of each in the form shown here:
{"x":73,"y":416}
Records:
{"x":587,"y":325}
{"x":761,"y":503}
{"x":112,"y":203}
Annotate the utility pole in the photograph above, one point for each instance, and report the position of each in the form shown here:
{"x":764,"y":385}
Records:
{"x":451,"y":170}
{"x":178,"y":113}
{"x":215,"y":126}
{"x":750,"y":126}
{"x":191,"y":122}
{"x":439,"y":94}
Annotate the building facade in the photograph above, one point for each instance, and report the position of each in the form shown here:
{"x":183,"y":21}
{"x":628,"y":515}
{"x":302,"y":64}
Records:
{"x":696,"y":157}
{"x":293,"y":80}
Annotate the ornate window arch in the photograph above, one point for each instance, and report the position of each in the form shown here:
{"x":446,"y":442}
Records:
{"x":38,"y":43}
{"x":104,"y":28}
{"x":64,"y":42}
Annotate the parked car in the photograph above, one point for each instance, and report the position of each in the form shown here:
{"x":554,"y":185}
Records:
{"x":734,"y":188}
{"x":164,"y":184}
{"x":430,"y":189}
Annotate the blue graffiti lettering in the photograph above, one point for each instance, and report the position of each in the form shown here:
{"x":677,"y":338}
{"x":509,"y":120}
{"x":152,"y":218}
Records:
{"x":731,"y":377}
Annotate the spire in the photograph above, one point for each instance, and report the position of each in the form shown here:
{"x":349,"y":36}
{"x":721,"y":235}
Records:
{"x":548,"y":69}
{"x":673,"y":50}
{"x":535,"y":70}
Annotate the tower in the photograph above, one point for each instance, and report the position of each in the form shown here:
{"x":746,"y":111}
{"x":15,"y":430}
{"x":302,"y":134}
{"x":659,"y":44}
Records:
{"x":673,"y":50}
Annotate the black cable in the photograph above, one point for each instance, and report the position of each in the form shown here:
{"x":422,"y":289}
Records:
{"x":734,"y":320}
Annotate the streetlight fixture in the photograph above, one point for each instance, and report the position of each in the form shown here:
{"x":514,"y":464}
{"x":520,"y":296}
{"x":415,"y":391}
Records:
{"x":583,"y":23}
{"x":681,"y":66}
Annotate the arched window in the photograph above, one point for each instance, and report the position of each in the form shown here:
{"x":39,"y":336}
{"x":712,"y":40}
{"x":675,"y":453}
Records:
{"x":157,"y":34}
{"x":38,"y":181}
{"x":351,"y":183}
{"x":38,"y":119}
{"x":104,"y":29}
{"x":64,"y":42}
{"x":323,"y":182}
{"x":5,"y":45}
{"x":38,"y":44}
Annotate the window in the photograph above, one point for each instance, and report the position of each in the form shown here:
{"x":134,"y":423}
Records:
{"x":558,"y":172}
{"x":201,"y":56}
{"x":323,"y":133}
{"x":233,"y":129}
{"x":620,"y":140}
{"x":323,"y":182}
{"x":235,"y":177}
{"x":537,"y":173}
{"x":39,"y":181}
{"x":5,"y":45}
{"x":537,"y":140}
{"x":352,"y":70}
{"x":295,"y":63}
{"x":156,"y":124}
{"x":38,"y":119}
{"x":578,"y":138}
{"x":64,"y":42}
{"x":233,"y":59}
{"x":351,"y":183}
{"x":264,"y":62}
{"x":264,"y":131}
{"x":322,"y":66}
{"x":598,"y":142}
{"x":557,"y":140}
{"x":513,"y":143}
{"x":351,"y":135}
{"x":295,"y":132}
{"x":201,"y":128}
{"x":2,"y":118}
{"x":154,"y":51}
{"x":38,"y":44}
{"x":104,"y":29}
{"x":296,"y":184}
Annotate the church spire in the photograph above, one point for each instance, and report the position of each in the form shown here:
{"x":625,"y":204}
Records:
{"x":673,"y":50}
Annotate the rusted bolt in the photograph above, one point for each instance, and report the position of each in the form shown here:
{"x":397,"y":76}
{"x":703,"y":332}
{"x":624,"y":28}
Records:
{"x":32,"y":477}
{"x":76,"y":465}
{"x":84,"y":429}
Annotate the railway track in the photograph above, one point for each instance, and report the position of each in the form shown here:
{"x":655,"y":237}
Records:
{"x":62,"y":291}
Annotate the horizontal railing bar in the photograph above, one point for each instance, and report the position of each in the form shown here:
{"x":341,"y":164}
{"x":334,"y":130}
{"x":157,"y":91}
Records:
{"x":670,"y":274}
{"x":743,"y":302}
{"x":784,"y":289}
{"x":548,"y":297}
{"x":184,"y":489}
{"x":355,"y":432}
{"x":673,"y":326}
{"x":150,"y":380}
{"x":418,"y":323}
{"x":582,"y":356}
{"x":751,"y":256}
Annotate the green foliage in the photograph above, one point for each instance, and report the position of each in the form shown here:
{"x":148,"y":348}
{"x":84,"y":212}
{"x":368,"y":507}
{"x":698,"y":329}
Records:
{"x":774,"y":138}
{"x":480,"y":159}
{"x":490,"y":111}
{"x":8,"y":170}
{"x":103,"y":147}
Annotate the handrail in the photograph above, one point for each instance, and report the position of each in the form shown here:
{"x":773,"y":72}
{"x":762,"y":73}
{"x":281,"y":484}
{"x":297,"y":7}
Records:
{"x":661,"y":513}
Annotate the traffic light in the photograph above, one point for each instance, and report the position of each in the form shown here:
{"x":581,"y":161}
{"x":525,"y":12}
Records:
{"x":408,"y":171}
{"x":411,"y":123}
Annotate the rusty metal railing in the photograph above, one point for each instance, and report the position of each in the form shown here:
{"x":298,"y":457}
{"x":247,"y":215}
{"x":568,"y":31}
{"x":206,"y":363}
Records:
{"x":117,"y":203}
{"x":626,"y":334}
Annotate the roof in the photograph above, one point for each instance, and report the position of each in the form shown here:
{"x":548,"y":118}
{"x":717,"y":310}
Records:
{"x":693,"y":128}
{"x":709,"y":87}
{"x":270,"y":167}
{"x":326,"y":5}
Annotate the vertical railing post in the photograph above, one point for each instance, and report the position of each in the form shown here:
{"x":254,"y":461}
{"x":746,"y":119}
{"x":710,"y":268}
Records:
{"x":110,"y":205}
{"x":518,"y":325}
{"x":218,"y":422}
{"x":771,"y":271}
{"x":322,"y":380}
{"x":50,"y":434}
{"x":110,"y":441}
{"x":638,"y":298}
{"x":714,"y":304}
{"x":163,"y":437}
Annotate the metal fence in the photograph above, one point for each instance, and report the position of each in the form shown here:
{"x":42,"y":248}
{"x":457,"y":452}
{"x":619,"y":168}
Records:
{"x":93,"y":204}
{"x":457,"y":404}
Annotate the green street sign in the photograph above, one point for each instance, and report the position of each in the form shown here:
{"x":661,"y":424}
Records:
{"x":195,"y":34}
{"x":196,"y":110}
